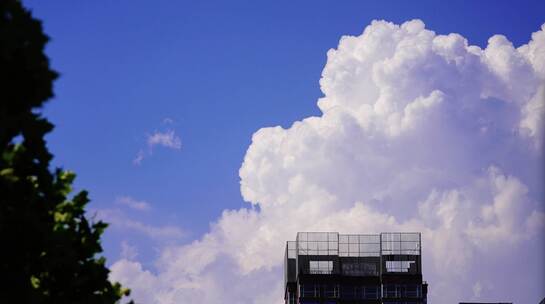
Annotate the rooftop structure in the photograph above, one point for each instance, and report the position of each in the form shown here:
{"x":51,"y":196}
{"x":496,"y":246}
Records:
{"x":328,"y":267}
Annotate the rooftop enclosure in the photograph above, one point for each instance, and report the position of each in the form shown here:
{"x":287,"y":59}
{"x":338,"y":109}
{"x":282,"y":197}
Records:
{"x":394,"y":252}
{"x":369,"y":266}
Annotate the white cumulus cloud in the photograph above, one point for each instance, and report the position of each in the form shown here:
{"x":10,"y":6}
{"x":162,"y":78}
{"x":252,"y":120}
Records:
{"x":418,"y":132}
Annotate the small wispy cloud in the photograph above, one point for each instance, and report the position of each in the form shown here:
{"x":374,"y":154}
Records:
{"x":479,"y":287}
{"x":166,"y":139}
{"x":139,"y":157}
{"x":128,"y":251}
{"x":132,"y":203}
{"x":118,"y":220}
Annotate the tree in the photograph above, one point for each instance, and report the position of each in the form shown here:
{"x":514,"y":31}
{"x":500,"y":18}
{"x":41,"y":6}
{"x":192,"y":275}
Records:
{"x":49,"y":250}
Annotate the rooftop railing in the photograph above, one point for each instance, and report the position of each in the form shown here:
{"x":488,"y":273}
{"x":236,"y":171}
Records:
{"x":354,"y":245}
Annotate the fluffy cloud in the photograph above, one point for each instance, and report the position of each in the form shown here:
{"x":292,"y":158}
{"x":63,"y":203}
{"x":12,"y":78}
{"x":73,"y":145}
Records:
{"x":418,"y":132}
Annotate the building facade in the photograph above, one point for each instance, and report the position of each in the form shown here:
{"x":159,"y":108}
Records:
{"x":331,"y":268}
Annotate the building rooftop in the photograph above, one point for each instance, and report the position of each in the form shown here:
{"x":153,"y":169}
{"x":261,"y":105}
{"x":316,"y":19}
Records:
{"x":386,"y":265}
{"x":387,"y":252}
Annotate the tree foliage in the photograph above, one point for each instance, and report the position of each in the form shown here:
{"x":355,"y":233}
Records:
{"x":48,"y":248}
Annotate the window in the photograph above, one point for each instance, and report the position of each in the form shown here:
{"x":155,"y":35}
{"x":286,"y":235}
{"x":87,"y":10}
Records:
{"x":413,"y":291}
{"x":348,"y":292}
{"x":331,"y":291}
{"x":402,"y":291}
{"x":371,"y":292}
{"x":309,"y":290}
{"x":400,"y":266}
{"x":389,"y":291}
{"x":358,"y":292}
{"x":351,"y":292}
{"x":360,"y":269}
{"x":321,"y":267}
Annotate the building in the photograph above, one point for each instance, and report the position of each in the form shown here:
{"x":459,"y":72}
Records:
{"x":328,"y":268}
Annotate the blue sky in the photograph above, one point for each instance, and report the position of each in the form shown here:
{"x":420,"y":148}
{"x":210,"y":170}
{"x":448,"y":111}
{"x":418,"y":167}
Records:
{"x":219,"y":71}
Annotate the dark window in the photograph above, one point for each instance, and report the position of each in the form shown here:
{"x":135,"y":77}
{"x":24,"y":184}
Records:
{"x":331,"y":291}
{"x":359,"y":269}
{"x":402,"y":291}
{"x":389,"y":291}
{"x":309,"y":290}
{"x":348,"y":292}
{"x":371,"y":292}
{"x":413,"y":291}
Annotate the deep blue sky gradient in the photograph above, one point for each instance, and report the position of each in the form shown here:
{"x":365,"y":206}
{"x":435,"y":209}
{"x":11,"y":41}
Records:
{"x":221,"y":70}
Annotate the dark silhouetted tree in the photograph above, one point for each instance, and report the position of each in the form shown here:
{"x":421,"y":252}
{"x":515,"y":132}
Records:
{"x":49,"y":250}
